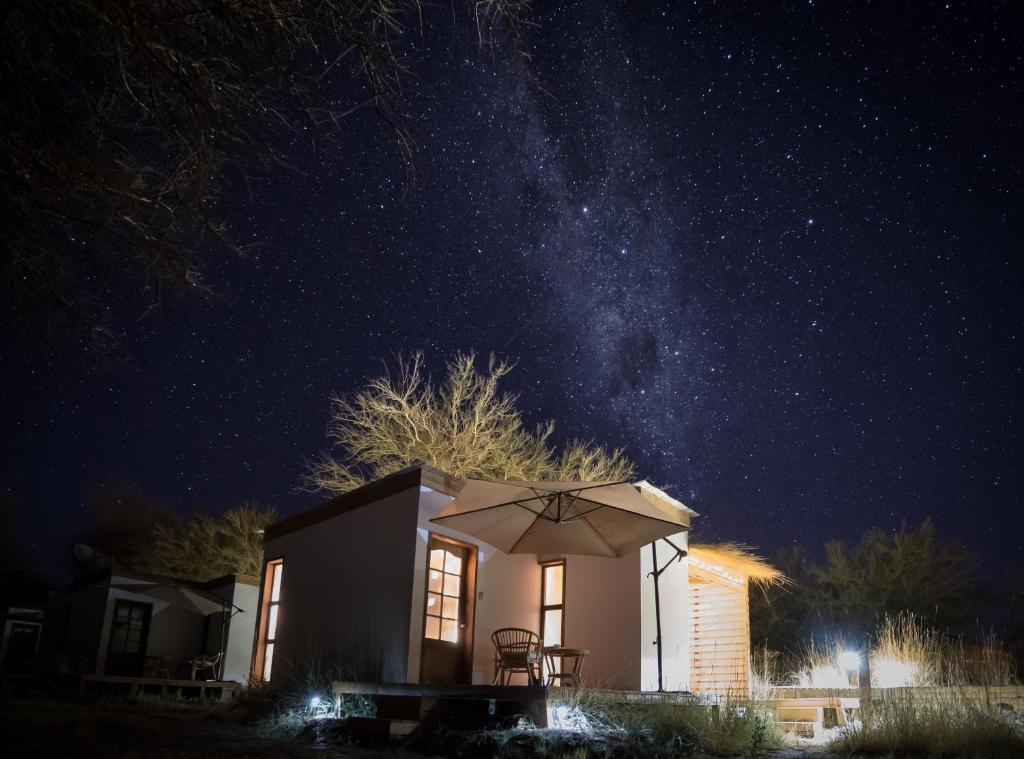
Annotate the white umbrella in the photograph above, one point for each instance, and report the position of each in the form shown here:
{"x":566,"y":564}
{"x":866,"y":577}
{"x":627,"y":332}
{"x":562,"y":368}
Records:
{"x":182,"y":596}
{"x":611,"y":518}
{"x":194,"y":599}
{"x":589,"y":518}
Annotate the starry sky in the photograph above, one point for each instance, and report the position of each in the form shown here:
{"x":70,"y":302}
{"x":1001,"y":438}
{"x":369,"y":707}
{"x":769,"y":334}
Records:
{"x":769,"y":249}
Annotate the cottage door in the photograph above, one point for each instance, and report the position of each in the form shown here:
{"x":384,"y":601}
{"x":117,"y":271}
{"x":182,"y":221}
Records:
{"x":129,"y":634}
{"x":447,"y":653}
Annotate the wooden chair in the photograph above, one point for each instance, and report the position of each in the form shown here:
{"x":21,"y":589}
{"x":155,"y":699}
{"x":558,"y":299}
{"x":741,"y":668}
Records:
{"x":158,"y":667}
{"x":516,"y":650}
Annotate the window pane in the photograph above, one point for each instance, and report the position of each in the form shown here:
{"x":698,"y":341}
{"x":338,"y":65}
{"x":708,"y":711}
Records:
{"x":451,"y":608}
{"x":272,"y":622}
{"x":268,"y":661}
{"x":433,"y":628}
{"x":434,"y":584}
{"x":553,"y":576}
{"x":275,"y":593}
{"x":452,"y":563}
{"x":437,"y":558}
{"x":434,"y":604}
{"x":451,"y":585}
{"x":450,"y":630}
{"x":552,"y":633}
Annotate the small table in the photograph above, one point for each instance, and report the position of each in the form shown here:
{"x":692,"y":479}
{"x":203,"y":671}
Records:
{"x":556,"y":658}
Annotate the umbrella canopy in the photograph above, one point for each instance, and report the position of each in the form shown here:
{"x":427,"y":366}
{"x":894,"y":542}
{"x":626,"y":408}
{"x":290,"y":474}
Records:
{"x":179,"y":595}
{"x":589,"y":518}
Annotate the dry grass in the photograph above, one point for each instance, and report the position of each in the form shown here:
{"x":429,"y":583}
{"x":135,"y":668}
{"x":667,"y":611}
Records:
{"x":731,"y":728}
{"x":945,"y":722}
{"x":738,"y":560}
{"x":905,"y":653}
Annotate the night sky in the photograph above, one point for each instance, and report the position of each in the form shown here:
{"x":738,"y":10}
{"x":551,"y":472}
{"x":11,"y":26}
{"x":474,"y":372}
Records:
{"x":772,"y":250}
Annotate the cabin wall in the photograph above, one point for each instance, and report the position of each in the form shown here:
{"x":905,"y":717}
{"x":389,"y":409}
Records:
{"x":345,"y":590}
{"x":673,"y":589}
{"x":602,"y":615}
{"x":507,"y":592}
{"x":241,"y":628}
{"x":720,"y":629}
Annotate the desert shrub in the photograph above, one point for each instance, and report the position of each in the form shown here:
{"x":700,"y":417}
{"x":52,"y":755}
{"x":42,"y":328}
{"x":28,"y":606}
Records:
{"x":729,"y":728}
{"x":907,"y":653}
{"x":307,"y":692}
{"x":944,"y":722}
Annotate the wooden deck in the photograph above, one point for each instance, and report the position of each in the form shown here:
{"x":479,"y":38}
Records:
{"x":406,"y":704}
{"x":219,"y":690}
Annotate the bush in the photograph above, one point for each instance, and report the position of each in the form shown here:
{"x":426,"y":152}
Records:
{"x":946,"y":722}
{"x":726,"y":729}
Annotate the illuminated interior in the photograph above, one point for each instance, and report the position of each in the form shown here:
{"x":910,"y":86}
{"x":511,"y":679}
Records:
{"x":444,"y":592}
{"x":275,"y":570}
{"x":552,"y":606}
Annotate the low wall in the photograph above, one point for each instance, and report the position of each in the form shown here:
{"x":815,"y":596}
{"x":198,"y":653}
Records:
{"x":1011,"y":695}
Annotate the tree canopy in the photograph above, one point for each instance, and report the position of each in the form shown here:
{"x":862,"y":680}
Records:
{"x":465,"y":426}
{"x":125,"y":121}
{"x":132,"y":529}
{"x":882,"y":575}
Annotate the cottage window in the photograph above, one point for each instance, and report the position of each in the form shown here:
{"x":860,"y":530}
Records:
{"x":552,"y":604}
{"x":272,"y":605}
{"x":444,"y":594}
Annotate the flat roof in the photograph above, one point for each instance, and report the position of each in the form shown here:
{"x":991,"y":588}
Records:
{"x":108,"y":573}
{"x":410,"y":477}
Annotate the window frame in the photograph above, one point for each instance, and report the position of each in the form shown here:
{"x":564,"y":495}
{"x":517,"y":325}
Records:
{"x":462,"y":599}
{"x":545,"y":608}
{"x":270,"y":569}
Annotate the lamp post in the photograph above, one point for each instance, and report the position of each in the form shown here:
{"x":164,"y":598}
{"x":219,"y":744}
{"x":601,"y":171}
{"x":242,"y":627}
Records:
{"x":864,"y":680}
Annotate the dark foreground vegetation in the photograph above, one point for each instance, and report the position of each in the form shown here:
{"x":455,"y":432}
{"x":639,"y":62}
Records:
{"x":255,"y":725}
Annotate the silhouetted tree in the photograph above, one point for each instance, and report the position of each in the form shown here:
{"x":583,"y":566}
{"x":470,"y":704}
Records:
{"x":780,"y":614}
{"x":910,"y":570}
{"x":132,"y":529}
{"x":882,"y":574}
{"x":210,"y":545}
{"x":13,"y":566}
{"x":123,"y":121}
{"x":122,"y":518}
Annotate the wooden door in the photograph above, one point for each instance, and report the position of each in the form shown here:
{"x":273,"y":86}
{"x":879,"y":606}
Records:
{"x":129,"y":635}
{"x":447,"y":653}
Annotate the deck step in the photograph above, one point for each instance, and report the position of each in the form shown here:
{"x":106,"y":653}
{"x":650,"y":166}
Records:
{"x":399,"y":728}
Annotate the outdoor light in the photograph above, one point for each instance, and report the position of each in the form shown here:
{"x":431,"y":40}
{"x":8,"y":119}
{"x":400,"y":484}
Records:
{"x":314,"y":702}
{"x":560,"y":716}
{"x":849,"y":661}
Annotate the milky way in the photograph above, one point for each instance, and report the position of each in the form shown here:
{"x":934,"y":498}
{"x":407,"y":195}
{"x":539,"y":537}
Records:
{"x":770,"y":250}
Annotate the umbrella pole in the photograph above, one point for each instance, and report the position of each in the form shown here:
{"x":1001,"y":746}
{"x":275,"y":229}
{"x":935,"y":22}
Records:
{"x":657,"y":609}
{"x":680,"y":554}
{"x":224,"y":618}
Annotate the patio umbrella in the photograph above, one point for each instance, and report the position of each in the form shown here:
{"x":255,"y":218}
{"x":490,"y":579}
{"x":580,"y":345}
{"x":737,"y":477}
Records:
{"x":589,"y":518}
{"x":186,"y":597}
{"x":610,"y":518}
{"x":182,"y":596}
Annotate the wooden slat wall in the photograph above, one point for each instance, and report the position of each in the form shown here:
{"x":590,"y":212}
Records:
{"x":719,"y":635}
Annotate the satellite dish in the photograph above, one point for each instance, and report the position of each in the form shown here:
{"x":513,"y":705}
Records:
{"x":83,"y":553}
